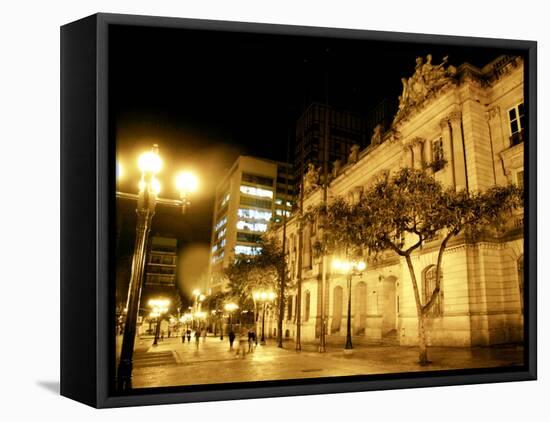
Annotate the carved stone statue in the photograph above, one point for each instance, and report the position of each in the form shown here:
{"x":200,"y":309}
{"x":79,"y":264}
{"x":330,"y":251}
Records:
{"x":354,"y":153}
{"x":311,"y":178}
{"x":376,"y":137}
{"x":426,"y":79}
{"x":336,"y":167}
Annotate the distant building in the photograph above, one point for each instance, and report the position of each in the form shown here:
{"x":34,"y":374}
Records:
{"x":344,"y":130}
{"x":160,"y":271}
{"x":161,"y":262}
{"x":254,"y":193}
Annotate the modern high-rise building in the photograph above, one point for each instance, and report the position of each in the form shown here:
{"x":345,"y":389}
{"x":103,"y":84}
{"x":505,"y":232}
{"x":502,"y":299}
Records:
{"x":345,"y":129}
{"x":254,"y":193}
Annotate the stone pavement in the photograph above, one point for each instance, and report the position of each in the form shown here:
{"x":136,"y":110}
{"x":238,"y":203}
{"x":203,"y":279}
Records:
{"x":172,"y":363}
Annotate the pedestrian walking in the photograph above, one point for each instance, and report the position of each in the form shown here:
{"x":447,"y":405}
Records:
{"x":231,"y":339}
{"x":243,"y":341}
{"x":161,"y":335}
{"x":204,"y":335}
{"x":197,"y":338}
{"x":183,"y":336}
{"x":188,"y":335}
{"x":250,"y":340}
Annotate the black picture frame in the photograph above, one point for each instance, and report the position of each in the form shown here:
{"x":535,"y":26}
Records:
{"x":87,"y":223}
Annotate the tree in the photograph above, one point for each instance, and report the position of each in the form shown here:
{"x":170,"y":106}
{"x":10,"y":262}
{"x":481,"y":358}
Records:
{"x":403,"y":211}
{"x":214,"y":303}
{"x":264,"y":271}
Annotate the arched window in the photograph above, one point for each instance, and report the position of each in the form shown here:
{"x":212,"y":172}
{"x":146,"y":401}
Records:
{"x":360,"y":317}
{"x":520,"y":281}
{"x":428,"y":286}
{"x":307,"y":306}
{"x":289,"y":308}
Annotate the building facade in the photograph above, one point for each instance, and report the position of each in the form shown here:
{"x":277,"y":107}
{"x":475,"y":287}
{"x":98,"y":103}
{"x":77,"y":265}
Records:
{"x":254,"y":193}
{"x":466,"y":127}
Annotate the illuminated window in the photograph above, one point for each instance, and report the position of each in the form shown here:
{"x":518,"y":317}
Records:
{"x":254,"y":227}
{"x":220,"y":223}
{"x":254,"y":214}
{"x":225,"y":200}
{"x":218,"y":258}
{"x":221,"y":233}
{"x":251,"y":190}
{"x":247,"y":250}
{"x":281,"y":212}
{"x":279,"y":201}
{"x":214,"y":248}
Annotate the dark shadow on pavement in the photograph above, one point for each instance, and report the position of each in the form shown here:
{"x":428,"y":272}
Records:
{"x":51,"y":386}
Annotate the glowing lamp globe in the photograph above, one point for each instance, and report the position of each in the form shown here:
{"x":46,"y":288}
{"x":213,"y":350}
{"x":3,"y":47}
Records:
{"x":186,"y":182}
{"x":149,"y":162}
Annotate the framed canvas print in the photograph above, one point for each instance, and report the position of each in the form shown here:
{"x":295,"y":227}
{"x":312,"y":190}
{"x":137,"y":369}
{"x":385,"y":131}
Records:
{"x":253,"y":210}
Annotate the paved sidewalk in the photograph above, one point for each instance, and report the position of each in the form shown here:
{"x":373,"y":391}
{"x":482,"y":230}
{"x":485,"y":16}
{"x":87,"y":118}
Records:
{"x":173,"y":363}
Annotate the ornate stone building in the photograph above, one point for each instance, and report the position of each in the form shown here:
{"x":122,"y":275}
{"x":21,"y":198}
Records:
{"x":465,"y":126}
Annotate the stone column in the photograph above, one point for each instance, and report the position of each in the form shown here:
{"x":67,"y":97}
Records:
{"x":495,"y":138}
{"x":458,"y":151}
{"x":417,"y":153}
{"x":448,"y":151}
{"x":408,"y":156}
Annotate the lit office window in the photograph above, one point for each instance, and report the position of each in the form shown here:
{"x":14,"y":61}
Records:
{"x":281,"y":212}
{"x":247,"y":250}
{"x":251,"y":190}
{"x":225,"y":200}
{"x":254,"y":214}
{"x":220,"y":223}
{"x":254,"y":227}
{"x":218,"y":258}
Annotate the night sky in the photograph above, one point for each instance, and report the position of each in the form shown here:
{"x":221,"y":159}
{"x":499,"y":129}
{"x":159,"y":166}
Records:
{"x":207,"y":97}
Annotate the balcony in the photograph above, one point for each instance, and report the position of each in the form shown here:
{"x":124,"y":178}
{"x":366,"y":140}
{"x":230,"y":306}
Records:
{"x":518,"y":138}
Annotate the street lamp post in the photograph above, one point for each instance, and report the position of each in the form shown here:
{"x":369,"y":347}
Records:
{"x":230,"y":308}
{"x":147,"y":198}
{"x":264,"y":297}
{"x":160,"y":307}
{"x":350,"y":268}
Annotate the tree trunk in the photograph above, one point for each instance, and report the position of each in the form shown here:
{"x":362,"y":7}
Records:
{"x":423,"y":348}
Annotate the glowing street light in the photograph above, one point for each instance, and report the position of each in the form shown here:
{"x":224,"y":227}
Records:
{"x":350,"y":268}
{"x":149,"y":187}
{"x":150,"y":162}
{"x":186,"y":183}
